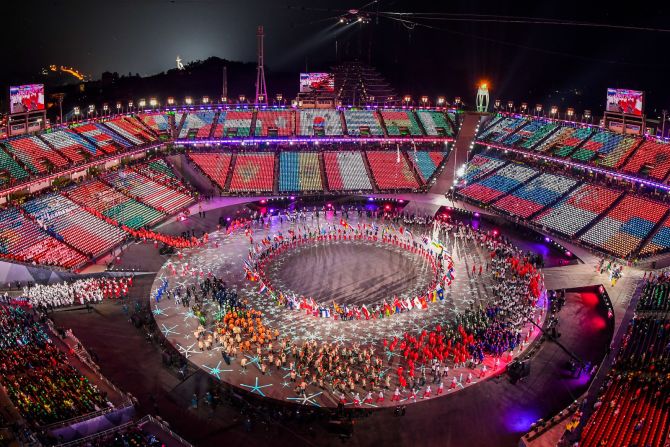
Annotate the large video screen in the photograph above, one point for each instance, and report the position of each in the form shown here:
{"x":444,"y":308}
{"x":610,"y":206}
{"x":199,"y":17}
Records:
{"x":620,"y":100}
{"x":26,"y":98}
{"x":317,"y":82}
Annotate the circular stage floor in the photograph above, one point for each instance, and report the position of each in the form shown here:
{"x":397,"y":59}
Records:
{"x":350,"y":272}
{"x":178,"y":323}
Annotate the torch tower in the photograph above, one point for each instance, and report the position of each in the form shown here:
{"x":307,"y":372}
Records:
{"x":261,"y":87}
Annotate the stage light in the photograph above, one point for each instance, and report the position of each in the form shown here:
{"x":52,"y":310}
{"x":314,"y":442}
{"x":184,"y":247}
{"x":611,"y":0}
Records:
{"x":170,"y":101}
{"x":105,"y":107}
{"x":76,"y":110}
{"x":292,"y":197}
{"x":130,"y":104}
{"x":118,"y":106}
{"x":476,"y":214}
{"x":205,"y":99}
{"x":387,"y":207}
{"x":142,"y":103}
{"x":153,"y":102}
{"x":188,"y":100}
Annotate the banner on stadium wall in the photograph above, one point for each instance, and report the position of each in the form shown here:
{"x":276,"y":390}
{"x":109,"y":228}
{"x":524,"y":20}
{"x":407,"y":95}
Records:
{"x":317,"y":82}
{"x":26,"y":98}
{"x":630,"y":102}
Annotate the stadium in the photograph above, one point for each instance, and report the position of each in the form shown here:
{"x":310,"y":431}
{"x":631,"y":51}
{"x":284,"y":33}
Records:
{"x":335,"y":264}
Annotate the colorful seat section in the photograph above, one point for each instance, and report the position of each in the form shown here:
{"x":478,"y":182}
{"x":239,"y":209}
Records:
{"x":389,"y":173}
{"x":35,"y":154}
{"x":131,"y":129}
{"x":10,"y":170}
{"x":102,"y":138}
{"x":498,"y":184}
{"x":660,"y":242}
{"x":651,"y":159}
{"x":624,"y":228}
{"x":435,"y":123}
{"x":275,"y":123}
{"x":400,"y":122}
{"x":363,"y":123}
{"x":578,"y":209}
{"x":346,"y":171}
{"x":198,"y":124}
{"x":159,"y":122}
{"x":535,"y":195}
{"x":72,"y":145}
{"x":501,"y":129}
{"x":299,"y":171}
{"x":427,"y":162}
{"x":564,"y":141}
{"x":215,"y":166}
{"x":254,"y":171}
{"x":319,"y":122}
{"x":160,"y":172}
{"x":609,"y":148}
{"x":111,"y":203}
{"x":66,"y":221}
{"x":479,"y":166}
{"x":236,"y":123}
{"x":530,"y":134}
{"x":22,"y":240}
{"x":156,"y":195}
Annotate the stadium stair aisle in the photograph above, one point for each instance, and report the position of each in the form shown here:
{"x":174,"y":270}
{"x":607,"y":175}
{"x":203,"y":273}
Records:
{"x":413,"y":168}
{"x":368,"y":170}
{"x":458,"y":155}
{"x":324,"y":177}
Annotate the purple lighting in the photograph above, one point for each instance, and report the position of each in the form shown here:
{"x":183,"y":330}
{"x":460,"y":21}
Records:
{"x":546,"y":239}
{"x":476,"y":214}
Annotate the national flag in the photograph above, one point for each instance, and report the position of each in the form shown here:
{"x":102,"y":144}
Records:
{"x":263,"y":288}
{"x":344,"y":223}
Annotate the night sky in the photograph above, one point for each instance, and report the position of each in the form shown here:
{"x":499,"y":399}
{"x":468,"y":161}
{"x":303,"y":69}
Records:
{"x":565,"y":65}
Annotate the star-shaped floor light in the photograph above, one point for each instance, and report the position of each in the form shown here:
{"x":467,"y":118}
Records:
{"x":256,"y":388}
{"x":216,"y":371}
{"x":305,"y":399}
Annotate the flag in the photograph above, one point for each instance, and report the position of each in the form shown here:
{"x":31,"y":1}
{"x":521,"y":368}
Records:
{"x":344,"y":223}
{"x":408,"y":234}
{"x":263,"y":288}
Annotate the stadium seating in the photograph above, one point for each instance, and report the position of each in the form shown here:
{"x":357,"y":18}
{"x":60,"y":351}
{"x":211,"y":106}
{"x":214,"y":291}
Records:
{"x":156,"y":195}
{"x":434,"y":122}
{"x":283,"y":121}
{"x":299,"y":171}
{"x":236,"y":123}
{"x":426,"y":162}
{"x":131,"y":129}
{"x":37,"y":375}
{"x":22,"y":240}
{"x":72,"y":145}
{"x":389,"y":173}
{"x":113,"y":204}
{"x":624,"y":228}
{"x":397,"y":120}
{"x":651,"y":159}
{"x":564,"y":141}
{"x":215,"y":166}
{"x":67,"y":221}
{"x":501,"y":129}
{"x":660,"y":242}
{"x":498,"y":184}
{"x":157,"y":121}
{"x":101,"y":137}
{"x":535,"y":195}
{"x":578,"y":209}
{"x":609,"y":148}
{"x":530,"y":134}
{"x":10,"y":170}
{"x":357,"y":120}
{"x":346,"y":171}
{"x":34,"y":154}
{"x":160,"y":172}
{"x":317,"y":121}
{"x":633,"y":412}
{"x":655,"y":297}
{"x":198,"y":123}
{"x":254,"y":171}
{"x":479,"y":166}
